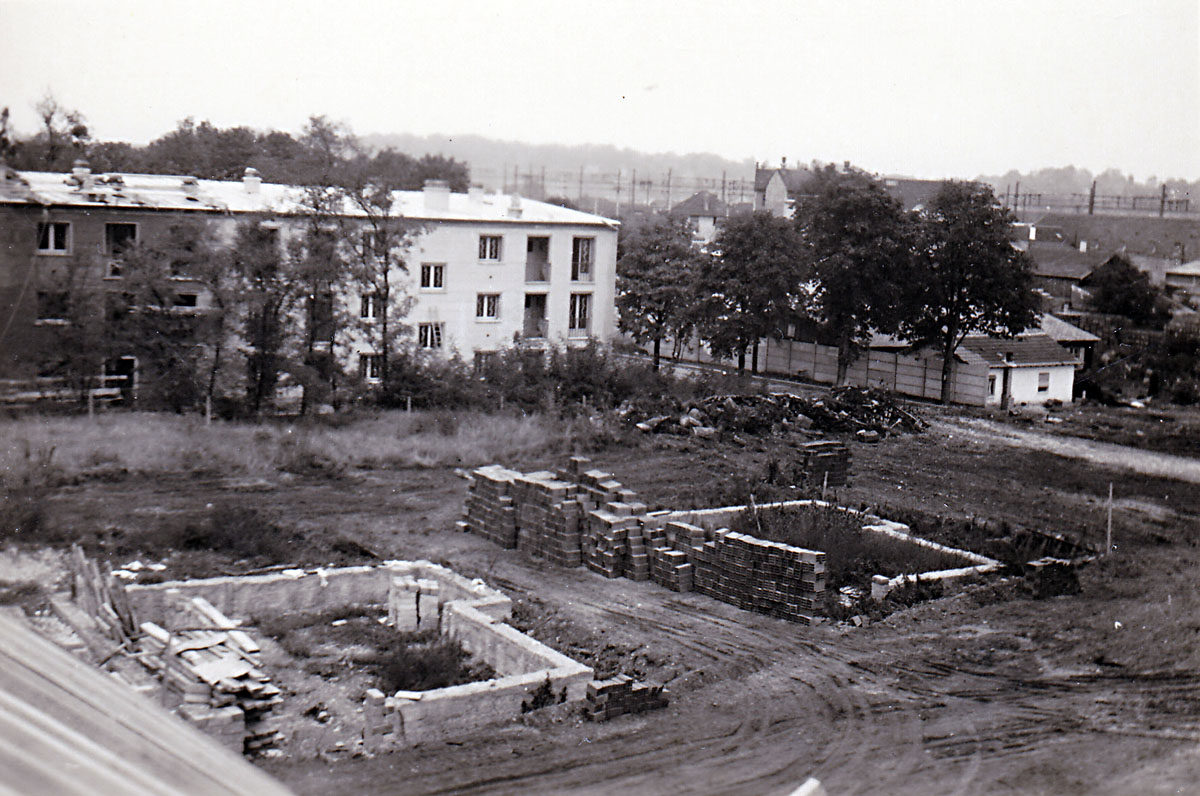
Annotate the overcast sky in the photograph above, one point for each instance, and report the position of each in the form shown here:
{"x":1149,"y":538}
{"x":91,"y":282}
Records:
{"x":930,"y":89}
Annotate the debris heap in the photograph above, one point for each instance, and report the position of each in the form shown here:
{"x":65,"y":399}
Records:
{"x":844,"y":409}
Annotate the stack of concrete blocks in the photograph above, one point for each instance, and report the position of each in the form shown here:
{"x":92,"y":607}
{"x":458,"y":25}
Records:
{"x":762,"y":576}
{"x":414,"y":604}
{"x":607,"y":699}
{"x":548,"y":518}
{"x":606,"y":542}
{"x":489,"y":510}
{"x":212,"y":677}
{"x":670,"y":547}
{"x":825,"y":463}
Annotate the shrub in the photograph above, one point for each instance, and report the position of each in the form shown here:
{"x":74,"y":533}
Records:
{"x":237,"y":531}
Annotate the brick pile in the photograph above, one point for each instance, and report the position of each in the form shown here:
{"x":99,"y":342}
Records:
{"x":762,"y":576}
{"x":607,"y":699}
{"x":579,"y":516}
{"x":213,"y":676}
{"x":489,"y":510}
{"x":825,"y":462}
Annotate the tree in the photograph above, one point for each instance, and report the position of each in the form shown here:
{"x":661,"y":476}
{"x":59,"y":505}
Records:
{"x":1119,"y":288}
{"x":752,"y":288}
{"x":377,"y":251}
{"x":967,"y":279}
{"x":656,"y":281}
{"x":267,"y":291}
{"x":859,"y":241}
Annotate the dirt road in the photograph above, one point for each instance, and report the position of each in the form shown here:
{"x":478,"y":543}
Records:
{"x":1104,"y":453}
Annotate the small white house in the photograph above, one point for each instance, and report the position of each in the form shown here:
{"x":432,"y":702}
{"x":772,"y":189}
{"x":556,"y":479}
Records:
{"x":1028,"y":369}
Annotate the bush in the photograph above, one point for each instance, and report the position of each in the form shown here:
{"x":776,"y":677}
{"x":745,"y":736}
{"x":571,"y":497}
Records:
{"x":237,"y":531}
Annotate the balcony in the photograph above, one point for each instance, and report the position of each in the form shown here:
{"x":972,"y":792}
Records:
{"x":537,"y":260}
{"x":534,"y":328}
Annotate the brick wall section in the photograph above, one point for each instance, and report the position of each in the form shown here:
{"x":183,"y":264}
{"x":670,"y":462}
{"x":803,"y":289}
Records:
{"x":579,"y":516}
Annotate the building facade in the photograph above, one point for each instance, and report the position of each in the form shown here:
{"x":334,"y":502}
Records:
{"x":483,"y":271}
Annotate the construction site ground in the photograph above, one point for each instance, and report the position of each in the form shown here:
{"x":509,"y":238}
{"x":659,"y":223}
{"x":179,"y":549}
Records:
{"x":986,"y":691}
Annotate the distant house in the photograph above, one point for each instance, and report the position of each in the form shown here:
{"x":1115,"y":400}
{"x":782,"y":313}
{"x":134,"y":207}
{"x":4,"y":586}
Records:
{"x":1028,"y":369}
{"x":1060,"y":270}
{"x":913,"y":194}
{"x":1079,"y":342}
{"x":1151,"y":243}
{"x":776,"y":190}
{"x":704,"y":211}
{"x":1184,"y":278}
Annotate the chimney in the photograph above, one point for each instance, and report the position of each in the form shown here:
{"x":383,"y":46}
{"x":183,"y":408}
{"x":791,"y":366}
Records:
{"x":81,"y":172}
{"x":251,"y":181}
{"x":1083,"y":246}
{"x":475,"y":192}
{"x":190,"y":185}
{"x":437,"y":195}
{"x":514,"y":207}
{"x":783,"y":162}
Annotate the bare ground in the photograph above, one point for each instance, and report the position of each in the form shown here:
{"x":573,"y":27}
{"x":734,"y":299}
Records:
{"x":988,"y":691}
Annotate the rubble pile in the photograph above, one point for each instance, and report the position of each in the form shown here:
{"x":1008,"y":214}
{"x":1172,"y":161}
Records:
{"x":871,"y":413}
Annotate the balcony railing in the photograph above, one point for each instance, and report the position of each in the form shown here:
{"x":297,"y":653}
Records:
{"x":537,"y":271}
{"x":534,"y":327}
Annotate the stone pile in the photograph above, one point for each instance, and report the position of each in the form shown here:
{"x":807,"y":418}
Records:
{"x":211,"y":673}
{"x":607,"y":699}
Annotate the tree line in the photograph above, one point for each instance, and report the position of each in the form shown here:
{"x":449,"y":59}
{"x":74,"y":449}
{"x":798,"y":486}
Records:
{"x":203,"y":150}
{"x":851,"y":261}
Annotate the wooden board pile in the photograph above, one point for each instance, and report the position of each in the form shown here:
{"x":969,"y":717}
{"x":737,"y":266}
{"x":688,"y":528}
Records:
{"x":607,"y":699}
{"x":211,"y":672}
{"x":825,"y":463}
{"x":100,"y":597}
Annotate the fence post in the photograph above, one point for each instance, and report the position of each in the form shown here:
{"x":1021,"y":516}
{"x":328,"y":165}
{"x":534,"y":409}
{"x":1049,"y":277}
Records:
{"x":208,"y":410}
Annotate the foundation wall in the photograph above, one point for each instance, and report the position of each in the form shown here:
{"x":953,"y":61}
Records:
{"x":506,"y":649}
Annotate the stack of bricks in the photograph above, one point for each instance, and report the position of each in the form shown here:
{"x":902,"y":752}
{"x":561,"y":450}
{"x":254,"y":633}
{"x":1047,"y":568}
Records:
{"x":672,"y":554}
{"x":548,"y":518}
{"x":489,"y":509}
{"x":825,"y":462}
{"x":607,"y":699}
{"x":213,"y":676}
{"x":414,"y":604}
{"x":757,"y":575}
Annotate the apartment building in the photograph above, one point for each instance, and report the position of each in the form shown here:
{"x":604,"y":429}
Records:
{"x":486,"y":271}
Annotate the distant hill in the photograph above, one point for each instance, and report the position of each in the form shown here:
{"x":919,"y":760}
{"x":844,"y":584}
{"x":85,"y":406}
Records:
{"x":492,"y":162}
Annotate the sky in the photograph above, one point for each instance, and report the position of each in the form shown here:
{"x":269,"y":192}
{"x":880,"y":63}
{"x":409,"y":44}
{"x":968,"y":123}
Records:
{"x":918,"y":87}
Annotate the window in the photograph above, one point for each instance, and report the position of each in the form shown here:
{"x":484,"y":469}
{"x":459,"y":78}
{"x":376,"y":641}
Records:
{"x":186,"y":300}
{"x":429,"y":335}
{"x":118,"y":238}
{"x":489,"y":247}
{"x":487,"y":305}
{"x":991,"y":385}
{"x":54,"y":237}
{"x":370,"y":307}
{"x":581,"y":259}
{"x":581,"y":304}
{"x":375,"y":243}
{"x":1044,"y":381}
{"x":433,"y":276}
{"x":52,"y":305}
{"x":484,"y":359}
{"x":370,"y":366}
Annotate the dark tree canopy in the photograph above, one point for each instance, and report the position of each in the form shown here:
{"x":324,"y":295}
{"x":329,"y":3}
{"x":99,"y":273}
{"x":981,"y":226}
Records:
{"x":859,"y":241}
{"x":752,"y":288}
{"x":1119,"y":288}
{"x":968,"y":278}
{"x":656,"y":273}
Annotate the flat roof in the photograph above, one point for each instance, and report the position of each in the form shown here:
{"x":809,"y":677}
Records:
{"x":182,"y":193}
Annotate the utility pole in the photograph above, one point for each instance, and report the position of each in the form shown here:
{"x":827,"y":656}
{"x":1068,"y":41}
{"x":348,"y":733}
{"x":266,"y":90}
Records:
{"x":1017,"y":196}
{"x":1162,"y":201}
{"x":669,"y":190}
{"x":633,"y":192}
{"x":1092,"y":199}
{"x":618,"y":193}
{"x":723,"y":187}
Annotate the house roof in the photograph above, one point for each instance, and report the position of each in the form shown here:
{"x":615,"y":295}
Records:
{"x":1062,"y":332}
{"x":912,"y":193}
{"x":793,"y":179}
{"x":167,"y":192}
{"x":1186,"y":269}
{"x":1061,"y":261}
{"x":1026,"y":350}
{"x":68,"y":728}
{"x":1148,"y":235}
{"x":702,"y":203}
